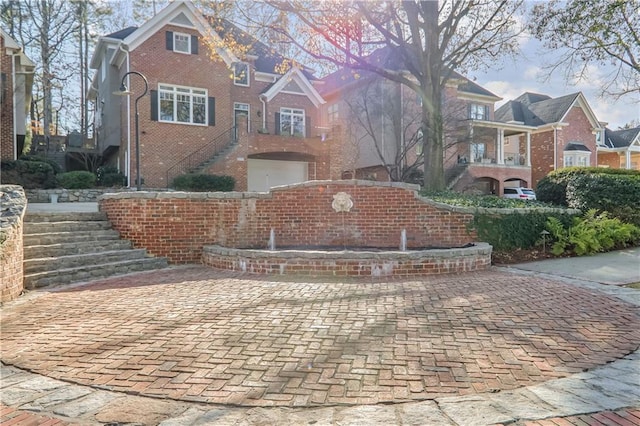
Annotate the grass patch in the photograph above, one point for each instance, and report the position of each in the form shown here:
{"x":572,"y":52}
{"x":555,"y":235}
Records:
{"x":634,"y":285}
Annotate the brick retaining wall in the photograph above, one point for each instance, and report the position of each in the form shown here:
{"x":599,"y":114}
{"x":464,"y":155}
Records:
{"x":178,"y":225}
{"x":12,"y":209}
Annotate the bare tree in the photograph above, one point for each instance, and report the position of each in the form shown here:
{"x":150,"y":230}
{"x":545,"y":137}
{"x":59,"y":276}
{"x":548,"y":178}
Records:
{"x":430,"y":41}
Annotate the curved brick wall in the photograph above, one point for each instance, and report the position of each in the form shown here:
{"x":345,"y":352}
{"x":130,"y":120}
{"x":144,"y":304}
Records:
{"x":13,"y":205}
{"x":177,"y":225}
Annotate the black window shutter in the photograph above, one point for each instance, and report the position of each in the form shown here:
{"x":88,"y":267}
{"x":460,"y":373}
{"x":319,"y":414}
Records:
{"x":154,"y":105}
{"x":212,"y":111}
{"x":469,"y":111}
{"x":169,"y":38}
{"x":486,"y":112}
{"x":194,"y":45}
{"x":307,"y":125}
{"x":277,"y":132}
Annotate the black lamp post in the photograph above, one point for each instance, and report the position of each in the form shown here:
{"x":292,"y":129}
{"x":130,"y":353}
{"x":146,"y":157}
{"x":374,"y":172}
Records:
{"x":124,"y":91}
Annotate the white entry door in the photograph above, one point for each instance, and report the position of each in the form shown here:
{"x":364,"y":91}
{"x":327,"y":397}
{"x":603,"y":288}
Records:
{"x":264,"y":174}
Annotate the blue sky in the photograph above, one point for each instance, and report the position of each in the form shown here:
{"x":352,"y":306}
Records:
{"x":510,"y":78}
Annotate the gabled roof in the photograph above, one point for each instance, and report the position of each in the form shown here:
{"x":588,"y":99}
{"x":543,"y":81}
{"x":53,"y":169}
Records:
{"x":267,"y":59}
{"x":122,"y":34}
{"x":296,"y":76}
{"x":534,"y":109}
{"x":621,"y":138}
{"x":391,"y":59}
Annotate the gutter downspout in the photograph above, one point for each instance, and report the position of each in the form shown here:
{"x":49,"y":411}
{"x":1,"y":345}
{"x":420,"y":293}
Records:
{"x":14,"y":123}
{"x":127,"y":163}
{"x":555,"y":148}
{"x":264,"y":113}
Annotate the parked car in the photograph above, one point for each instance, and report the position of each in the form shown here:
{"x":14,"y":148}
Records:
{"x":519,"y":193}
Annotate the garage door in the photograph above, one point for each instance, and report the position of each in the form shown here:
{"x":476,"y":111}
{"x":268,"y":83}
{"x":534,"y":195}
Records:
{"x":263,"y":174}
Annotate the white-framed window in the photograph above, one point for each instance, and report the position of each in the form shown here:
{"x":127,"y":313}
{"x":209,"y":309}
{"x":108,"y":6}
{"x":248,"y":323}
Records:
{"x":478,"y":112}
{"x":576,"y":158}
{"x":182,"y":104}
{"x":182,"y":43}
{"x":292,"y":121}
{"x":241,"y":74}
{"x":332,"y":114}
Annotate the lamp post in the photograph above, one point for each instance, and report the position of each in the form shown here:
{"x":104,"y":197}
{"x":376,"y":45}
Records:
{"x":124,"y":91}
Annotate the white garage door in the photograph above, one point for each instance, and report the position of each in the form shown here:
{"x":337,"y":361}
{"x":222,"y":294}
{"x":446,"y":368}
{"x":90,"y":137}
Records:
{"x":263,"y":174}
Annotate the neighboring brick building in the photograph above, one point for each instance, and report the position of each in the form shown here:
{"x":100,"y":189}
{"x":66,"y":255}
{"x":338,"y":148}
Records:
{"x":198,"y":91}
{"x":16,"y":73}
{"x":564,"y":130}
{"x":378,"y":122}
{"x":619,"y":149}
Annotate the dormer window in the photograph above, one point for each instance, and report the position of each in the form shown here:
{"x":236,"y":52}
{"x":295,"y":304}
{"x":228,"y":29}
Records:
{"x":241,"y":74}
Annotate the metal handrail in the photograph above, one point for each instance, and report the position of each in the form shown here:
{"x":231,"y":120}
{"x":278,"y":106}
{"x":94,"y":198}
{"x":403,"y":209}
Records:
{"x":201,"y":155}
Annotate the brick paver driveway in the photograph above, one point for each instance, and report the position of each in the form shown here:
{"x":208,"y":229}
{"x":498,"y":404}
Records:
{"x":204,"y":335}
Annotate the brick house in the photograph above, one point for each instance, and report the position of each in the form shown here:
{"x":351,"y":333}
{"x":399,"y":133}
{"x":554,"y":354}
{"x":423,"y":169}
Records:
{"x":619,"y":149}
{"x":378,"y":122}
{"x":16,"y":73}
{"x":208,"y":109}
{"x":563,"y":131}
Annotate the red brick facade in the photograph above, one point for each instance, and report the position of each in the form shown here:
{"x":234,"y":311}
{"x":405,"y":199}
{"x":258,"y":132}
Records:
{"x":178,"y":226}
{"x":164,"y":144}
{"x":547,"y":147}
{"x":7,"y":147}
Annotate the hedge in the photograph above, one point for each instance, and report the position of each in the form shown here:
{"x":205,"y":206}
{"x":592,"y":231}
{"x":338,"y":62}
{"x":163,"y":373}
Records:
{"x":204,"y":183}
{"x":518,"y":230}
{"x":77,"y":180}
{"x":28,"y":174}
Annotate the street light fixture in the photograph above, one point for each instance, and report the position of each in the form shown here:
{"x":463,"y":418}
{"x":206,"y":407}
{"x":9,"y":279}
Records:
{"x":124,"y":91}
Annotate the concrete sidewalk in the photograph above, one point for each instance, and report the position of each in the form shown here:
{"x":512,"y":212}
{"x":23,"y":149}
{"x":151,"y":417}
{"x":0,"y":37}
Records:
{"x":615,"y":268}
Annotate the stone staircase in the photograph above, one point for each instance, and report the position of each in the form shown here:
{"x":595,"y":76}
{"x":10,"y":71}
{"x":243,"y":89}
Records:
{"x":62,"y":248}
{"x":216,"y":157}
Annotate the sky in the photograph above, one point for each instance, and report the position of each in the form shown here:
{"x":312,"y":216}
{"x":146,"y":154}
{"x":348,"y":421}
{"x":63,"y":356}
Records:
{"x":526,"y":73}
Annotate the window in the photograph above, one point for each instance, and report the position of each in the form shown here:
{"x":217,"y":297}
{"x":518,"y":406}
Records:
{"x":419,"y":142}
{"x":182,"y":105}
{"x":477,"y":152}
{"x":181,"y":43}
{"x":576,"y":159}
{"x":478,"y":112}
{"x":241,"y":74}
{"x":292,"y":121}
{"x":332,"y":114}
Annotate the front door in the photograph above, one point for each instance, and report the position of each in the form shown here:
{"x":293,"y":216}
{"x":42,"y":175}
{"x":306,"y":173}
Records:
{"x":240,"y":110}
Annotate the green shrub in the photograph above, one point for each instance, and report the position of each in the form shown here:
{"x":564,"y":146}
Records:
{"x":487,"y":201}
{"x":511,"y":231}
{"x":110,"y":176}
{"x":591,"y":234}
{"x":28,"y":174}
{"x":204,"y":183}
{"x":77,"y":180}
{"x":553,"y":187}
{"x":617,"y":194}
{"x":40,"y":159}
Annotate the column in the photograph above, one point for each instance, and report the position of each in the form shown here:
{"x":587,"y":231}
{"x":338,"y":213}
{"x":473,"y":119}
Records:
{"x":627,"y":160}
{"x":528,"y":149}
{"x":500,"y":146}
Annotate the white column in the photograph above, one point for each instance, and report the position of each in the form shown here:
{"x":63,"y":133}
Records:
{"x":528,"y":149}
{"x":628,"y":160}
{"x":500,"y":158}
{"x":471,"y":159}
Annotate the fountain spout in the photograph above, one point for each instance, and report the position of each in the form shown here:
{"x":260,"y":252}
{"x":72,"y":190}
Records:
{"x":272,"y":240}
{"x":403,"y":240}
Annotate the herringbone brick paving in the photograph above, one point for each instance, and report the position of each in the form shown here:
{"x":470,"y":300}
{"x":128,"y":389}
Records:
{"x":198,"y":334}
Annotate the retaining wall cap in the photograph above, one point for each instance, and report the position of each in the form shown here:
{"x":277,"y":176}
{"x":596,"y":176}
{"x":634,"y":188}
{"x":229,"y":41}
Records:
{"x":13,"y":205}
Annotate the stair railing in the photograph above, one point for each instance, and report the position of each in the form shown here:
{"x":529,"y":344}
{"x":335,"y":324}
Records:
{"x":201,"y":155}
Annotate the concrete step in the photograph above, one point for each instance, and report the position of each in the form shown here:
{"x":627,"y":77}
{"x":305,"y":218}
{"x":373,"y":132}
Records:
{"x":75,"y":247}
{"x":64,"y":217}
{"x":68,"y":237}
{"x":78,"y":260}
{"x":91,"y":272}
{"x":69,"y":226}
